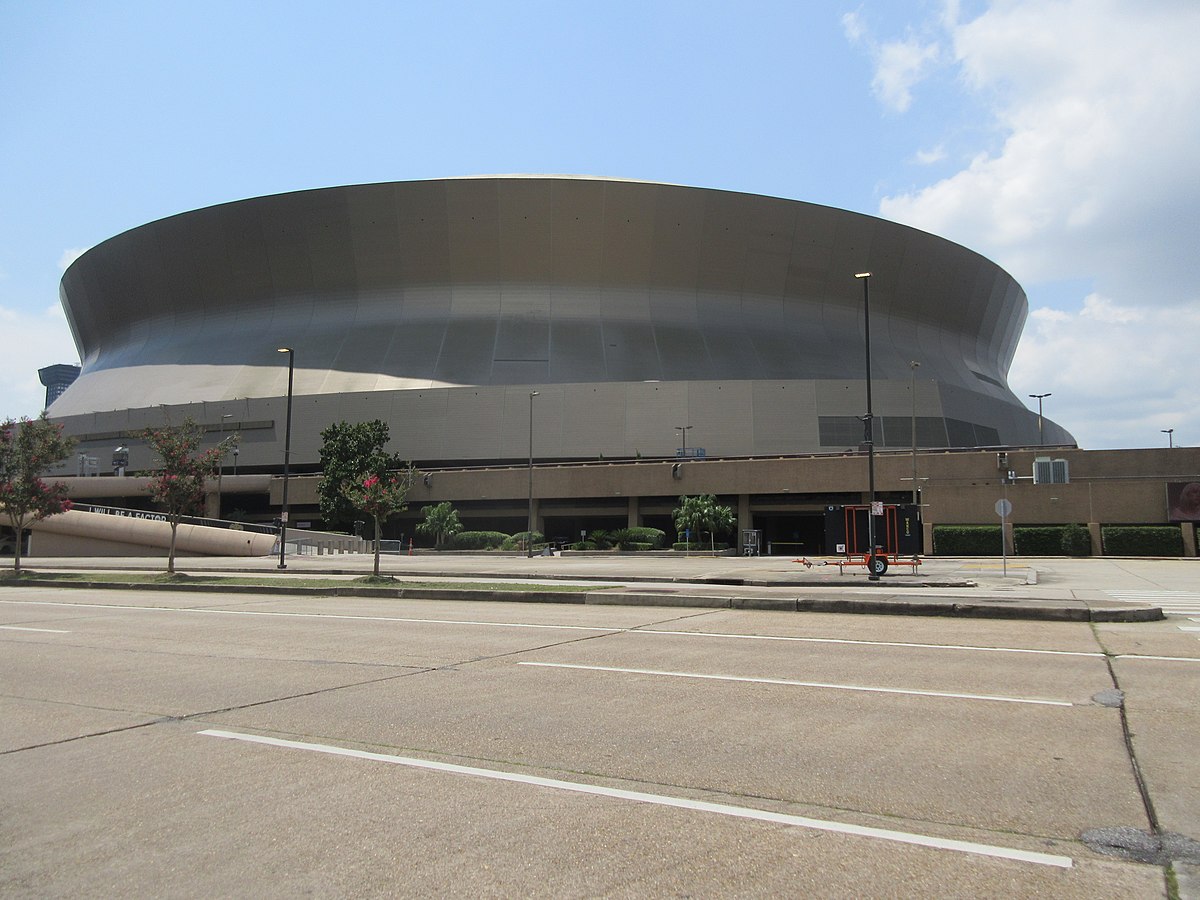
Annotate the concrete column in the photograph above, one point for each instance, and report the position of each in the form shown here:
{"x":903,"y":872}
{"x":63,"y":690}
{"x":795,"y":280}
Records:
{"x":927,"y":535}
{"x":1189,"y":538}
{"x":744,"y":520}
{"x":635,"y":516}
{"x":1010,"y":546}
{"x":1097,"y":543}
{"x":212,"y":504}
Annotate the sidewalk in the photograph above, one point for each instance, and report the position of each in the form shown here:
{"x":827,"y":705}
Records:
{"x":1050,"y":588}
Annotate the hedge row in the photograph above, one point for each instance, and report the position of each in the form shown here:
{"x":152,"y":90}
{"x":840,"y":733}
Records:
{"x":1058,"y":540}
{"x":1144,"y":540}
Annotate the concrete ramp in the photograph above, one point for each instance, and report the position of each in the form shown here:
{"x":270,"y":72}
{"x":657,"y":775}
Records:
{"x":80,"y":533}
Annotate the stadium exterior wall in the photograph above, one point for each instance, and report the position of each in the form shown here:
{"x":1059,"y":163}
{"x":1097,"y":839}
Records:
{"x":630,"y":307}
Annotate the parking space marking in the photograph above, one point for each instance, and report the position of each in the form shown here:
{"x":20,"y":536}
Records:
{"x":808,"y":684}
{"x":903,"y":644}
{"x":21,"y":628}
{"x":742,"y":812}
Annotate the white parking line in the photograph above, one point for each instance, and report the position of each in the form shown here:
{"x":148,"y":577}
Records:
{"x":596,"y":629}
{"x":905,"y":644}
{"x":809,"y":684}
{"x":46,"y":630}
{"x":742,"y":812}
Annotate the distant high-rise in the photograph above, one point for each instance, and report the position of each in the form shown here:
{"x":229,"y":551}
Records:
{"x":57,"y":378}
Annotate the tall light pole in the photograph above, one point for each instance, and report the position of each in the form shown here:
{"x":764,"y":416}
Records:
{"x":529,"y":538}
{"x":287,"y":458}
{"x":867,"y":429}
{"x":221,"y":460}
{"x":1039,"y":398}
{"x":1170,"y":433}
{"x":683,"y":430}
{"x":914,"y":365}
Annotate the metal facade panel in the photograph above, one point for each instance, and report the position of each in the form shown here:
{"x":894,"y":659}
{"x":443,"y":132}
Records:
{"x":545,"y":283}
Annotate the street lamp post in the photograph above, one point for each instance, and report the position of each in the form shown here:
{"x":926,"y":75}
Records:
{"x":683,"y":430}
{"x":221,"y":459}
{"x":287,"y":458}
{"x":1170,"y":433}
{"x":867,"y":428}
{"x":914,"y":365}
{"x":529,"y":535}
{"x":1039,"y":398}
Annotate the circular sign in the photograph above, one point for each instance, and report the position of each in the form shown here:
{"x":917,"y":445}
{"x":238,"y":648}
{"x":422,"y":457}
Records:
{"x":1004,"y":508}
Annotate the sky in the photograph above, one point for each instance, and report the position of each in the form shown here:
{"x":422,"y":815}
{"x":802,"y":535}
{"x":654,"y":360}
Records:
{"x":1056,"y":137}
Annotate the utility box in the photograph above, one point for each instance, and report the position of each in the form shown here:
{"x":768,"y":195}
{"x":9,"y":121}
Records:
{"x":1050,"y":471}
{"x":751,"y":541}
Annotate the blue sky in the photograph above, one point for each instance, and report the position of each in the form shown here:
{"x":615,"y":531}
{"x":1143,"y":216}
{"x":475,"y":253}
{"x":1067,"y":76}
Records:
{"x":1054,"y":136}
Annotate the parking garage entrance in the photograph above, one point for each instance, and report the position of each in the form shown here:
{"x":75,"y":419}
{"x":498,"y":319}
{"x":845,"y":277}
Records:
{"x":792,"y":534}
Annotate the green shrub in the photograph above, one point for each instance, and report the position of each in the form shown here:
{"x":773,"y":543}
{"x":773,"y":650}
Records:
{"x":967,"y":540}
{"x":636,"y":538}
{"x":523,"y":539}
{"x":1038,"y":540}
{"x":1143,"y":540}
{"x":698,"y":547}
{"x":1076,"y":541}
{"x":477,"y":540}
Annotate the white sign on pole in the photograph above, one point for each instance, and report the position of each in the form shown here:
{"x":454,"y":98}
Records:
{"x":1004,"y":508}
{"x":877,"y":508}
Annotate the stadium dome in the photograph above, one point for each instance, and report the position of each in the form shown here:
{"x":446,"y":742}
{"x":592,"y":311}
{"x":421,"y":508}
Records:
{"x":633,"y":309}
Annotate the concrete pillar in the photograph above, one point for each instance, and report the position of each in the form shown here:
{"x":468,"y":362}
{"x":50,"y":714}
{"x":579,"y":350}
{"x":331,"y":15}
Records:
{"x":634,"y":519}
{"x":927,"y":535}
{"x":1189,"y":538}
{"x":1010,"y":546}
{"x":744,"y":520}
{"x":1097,"y":542}
{"x":212,"y":504}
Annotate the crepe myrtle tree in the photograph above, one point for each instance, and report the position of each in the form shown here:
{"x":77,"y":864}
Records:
{"x":178,"y":486}
{"x":381,"y":497}
{"x":441,"y":523}
{"x":28,"y":449}
{"x":350,"y":451}
{"x":703,"y":513}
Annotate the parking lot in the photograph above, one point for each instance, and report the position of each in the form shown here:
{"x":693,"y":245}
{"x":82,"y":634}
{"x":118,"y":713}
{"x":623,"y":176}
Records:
{"x":183,"y":744}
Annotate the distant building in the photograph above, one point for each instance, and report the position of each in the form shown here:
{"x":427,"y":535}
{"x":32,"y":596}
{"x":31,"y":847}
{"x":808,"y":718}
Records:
{"x":57,"y":378}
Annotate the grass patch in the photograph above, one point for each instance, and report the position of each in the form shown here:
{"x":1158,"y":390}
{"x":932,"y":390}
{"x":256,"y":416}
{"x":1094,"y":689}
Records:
{"x":284,"y":582}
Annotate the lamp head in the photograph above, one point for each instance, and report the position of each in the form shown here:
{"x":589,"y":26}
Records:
{"x":862,"y":274}
{"x":285,"y":350}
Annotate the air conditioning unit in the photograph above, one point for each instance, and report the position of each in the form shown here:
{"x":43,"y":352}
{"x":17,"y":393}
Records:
{"x":1050,"y":471}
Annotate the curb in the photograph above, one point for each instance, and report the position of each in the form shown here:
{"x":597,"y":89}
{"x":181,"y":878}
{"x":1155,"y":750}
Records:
{"x":1027,"y":610}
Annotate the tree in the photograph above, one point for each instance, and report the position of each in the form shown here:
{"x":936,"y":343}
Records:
{"x":349,"y":453}
{"x":703,"y":513}
{"x":29,"y":448}
{"x":380,"y":497}
{"x":441,"y":522}
{"x":178,"y":487}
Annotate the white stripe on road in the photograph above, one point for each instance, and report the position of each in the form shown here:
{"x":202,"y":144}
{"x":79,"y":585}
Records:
{"x":46,"y":630}
{"x":742,"y":812}
{"x":809,"y":684}
{"x":1192,"y":659}
{"x":590,"y":628}
{"x":813,"y":640}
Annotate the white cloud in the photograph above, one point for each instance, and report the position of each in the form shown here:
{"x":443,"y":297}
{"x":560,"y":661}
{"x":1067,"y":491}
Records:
{"x":32,"y":342}
{"x":70,"y":255}
{"x":931,"y":156}
{"x":1094,"y":102}
{"x":1117,"y":375}
{"x":899,"y":65}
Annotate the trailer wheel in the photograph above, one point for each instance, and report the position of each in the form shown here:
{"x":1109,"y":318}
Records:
{"x":877,"y":565}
